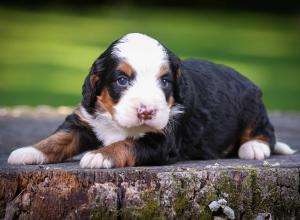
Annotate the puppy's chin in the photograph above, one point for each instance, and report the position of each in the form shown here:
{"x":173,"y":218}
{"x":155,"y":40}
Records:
{"x":140,"y":127}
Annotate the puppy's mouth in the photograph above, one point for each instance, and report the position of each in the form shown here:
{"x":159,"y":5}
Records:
{"x":143,"y":126}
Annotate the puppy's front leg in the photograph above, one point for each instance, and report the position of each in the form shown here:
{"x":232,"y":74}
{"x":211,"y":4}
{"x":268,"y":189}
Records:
{"x":118,"y":154}
{"x":147,"y":150}
{"x":71,"y":138}
{"x":56,"y":148}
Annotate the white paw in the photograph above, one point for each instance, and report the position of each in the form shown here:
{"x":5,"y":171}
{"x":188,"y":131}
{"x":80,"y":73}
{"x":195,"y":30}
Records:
{"x":254,"y":150}
{"x":95,"y":160}
{"x":27,"y":155}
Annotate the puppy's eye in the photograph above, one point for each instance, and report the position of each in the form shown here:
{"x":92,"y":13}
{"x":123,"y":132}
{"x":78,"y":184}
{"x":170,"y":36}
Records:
{"x":123,"y":81}
{"x":164,"y":83}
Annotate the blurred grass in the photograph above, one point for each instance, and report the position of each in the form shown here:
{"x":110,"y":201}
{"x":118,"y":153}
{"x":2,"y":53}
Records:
{"x":45,"y":55}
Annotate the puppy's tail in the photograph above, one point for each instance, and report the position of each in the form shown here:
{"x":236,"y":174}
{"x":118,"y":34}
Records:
{"x":283,"y":149}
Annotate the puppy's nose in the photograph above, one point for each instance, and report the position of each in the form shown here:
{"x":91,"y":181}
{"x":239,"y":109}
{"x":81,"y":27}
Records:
{"x":144,"y":113}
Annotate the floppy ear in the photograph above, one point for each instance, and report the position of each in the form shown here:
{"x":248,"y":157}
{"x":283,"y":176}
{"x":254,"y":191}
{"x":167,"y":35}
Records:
{"x":92,"y":84}
{"x":182,"y":86}
{"x":90,"y":88}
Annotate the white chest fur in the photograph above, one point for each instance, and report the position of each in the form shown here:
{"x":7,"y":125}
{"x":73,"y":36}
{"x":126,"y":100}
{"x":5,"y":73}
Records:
{"x":106,"y":129}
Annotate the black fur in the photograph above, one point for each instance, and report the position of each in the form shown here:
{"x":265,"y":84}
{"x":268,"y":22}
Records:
{"x":219,"y":104}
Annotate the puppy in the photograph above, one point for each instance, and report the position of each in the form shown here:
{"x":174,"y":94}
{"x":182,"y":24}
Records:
{"x":142,"y":105}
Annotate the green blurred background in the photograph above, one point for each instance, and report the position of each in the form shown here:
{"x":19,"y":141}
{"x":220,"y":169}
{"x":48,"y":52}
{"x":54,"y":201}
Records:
{"x":46,"y":51}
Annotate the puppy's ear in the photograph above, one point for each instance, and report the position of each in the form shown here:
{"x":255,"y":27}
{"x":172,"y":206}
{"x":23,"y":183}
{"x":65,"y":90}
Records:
{"x":177,"y":70}
{"x":91,"y":86}
{"x":183,"y":88}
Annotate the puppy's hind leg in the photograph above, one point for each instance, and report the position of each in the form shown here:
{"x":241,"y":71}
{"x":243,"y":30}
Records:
{"x":71,"y":138}
{"x":258,"y":139}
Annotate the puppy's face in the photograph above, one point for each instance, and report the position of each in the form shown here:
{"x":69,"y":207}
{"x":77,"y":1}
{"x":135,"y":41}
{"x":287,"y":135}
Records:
{"x":135,"y":82}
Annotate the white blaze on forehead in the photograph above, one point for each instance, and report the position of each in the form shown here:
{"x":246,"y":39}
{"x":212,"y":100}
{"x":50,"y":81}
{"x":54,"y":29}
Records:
{"x":146,"y":56}
{"x":143,"y":53}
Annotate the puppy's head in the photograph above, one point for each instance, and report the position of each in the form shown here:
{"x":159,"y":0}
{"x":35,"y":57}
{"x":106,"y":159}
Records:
{"x":134,"y":83}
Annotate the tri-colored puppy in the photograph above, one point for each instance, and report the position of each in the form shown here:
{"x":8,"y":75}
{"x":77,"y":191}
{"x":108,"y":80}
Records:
{"x":142,"y":105}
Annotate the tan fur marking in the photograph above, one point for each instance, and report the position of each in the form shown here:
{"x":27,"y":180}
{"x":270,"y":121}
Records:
{"x":93,"y":79}
{"x":121,"y":153}
{"x":59,"y":146}
{"x":126,"y":68}
{"x":262,"y":138}
{"x":178,"y":73}
{"x":105,"y":102}
{"x":171,"y":101}
{"x":164,"y":69}
{"x":248,"y":136}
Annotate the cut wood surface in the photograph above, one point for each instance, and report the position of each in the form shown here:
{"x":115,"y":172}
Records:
{"x":185,"y":190}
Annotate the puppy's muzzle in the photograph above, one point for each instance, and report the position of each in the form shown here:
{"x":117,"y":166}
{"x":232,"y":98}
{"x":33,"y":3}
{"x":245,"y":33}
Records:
{"x":144,"y":113}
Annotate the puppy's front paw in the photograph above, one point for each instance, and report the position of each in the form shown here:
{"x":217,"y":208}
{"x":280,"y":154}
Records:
{"x":95,"y":160}
{"x":27,"y":155}
{"x":254,"y":150}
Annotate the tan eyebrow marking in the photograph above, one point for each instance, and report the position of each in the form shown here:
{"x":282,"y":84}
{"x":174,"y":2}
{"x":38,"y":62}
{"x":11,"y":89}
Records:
{"x":164,"y":69}
{"x":126,"y":68}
